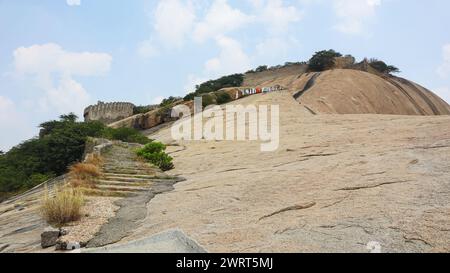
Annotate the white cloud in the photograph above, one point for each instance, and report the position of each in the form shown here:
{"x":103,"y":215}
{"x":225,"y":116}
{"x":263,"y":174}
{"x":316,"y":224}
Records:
{"x":73,"y":2}
{"x":273,"y":49}
{"x":444,"y":69}
{"x":220,"y":19}
{"x":157,"y":100}
{"x":353,"y":15}
{"x":232,"y":58}
{"x":174,"y":19}
{"x":444,"y":93}
{"x":172,"y":22}
{"x":191,"y":82}
{"x":278,"y":40}
{"x":6,"y":108}
{"x":277,"y":16}
{"x":12,"y":125}
{"x":148,"y":49}
{"x":53,"y":69}
{"x":67,"y":96}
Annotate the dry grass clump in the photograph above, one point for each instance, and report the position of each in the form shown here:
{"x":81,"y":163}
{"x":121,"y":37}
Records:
{"x":84,"y":175}
{"x":64,"y":207}
{"x":95,"y":159}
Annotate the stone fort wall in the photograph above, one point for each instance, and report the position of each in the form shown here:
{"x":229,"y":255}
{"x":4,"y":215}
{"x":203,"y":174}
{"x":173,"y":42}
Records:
{"x":108,"y":112}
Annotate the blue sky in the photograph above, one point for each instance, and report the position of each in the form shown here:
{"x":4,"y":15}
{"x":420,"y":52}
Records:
{"x":58,"y":56}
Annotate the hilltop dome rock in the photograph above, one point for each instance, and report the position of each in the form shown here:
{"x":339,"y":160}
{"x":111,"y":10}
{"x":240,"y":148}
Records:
{"x":346,"y":91}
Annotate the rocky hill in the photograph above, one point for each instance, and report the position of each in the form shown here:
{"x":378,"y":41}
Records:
{"x":348,"y":91}
{"x":338,"y":183}
{"x":375,"y":179}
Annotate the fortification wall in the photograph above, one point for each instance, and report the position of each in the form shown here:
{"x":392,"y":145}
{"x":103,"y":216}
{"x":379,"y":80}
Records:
{"x":108,"y":112}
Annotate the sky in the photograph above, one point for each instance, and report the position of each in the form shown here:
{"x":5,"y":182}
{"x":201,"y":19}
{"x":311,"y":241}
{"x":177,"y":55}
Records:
{"x":59,"y":56}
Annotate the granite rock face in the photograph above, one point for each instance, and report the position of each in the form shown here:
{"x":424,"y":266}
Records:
{"x":337,"y":183}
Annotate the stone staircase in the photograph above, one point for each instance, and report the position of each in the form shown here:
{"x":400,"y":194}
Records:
{"x":124,"y":174}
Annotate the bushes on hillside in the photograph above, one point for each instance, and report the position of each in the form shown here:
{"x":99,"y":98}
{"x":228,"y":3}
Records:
{"x":323,"y":60}
{"x":382,"y":67}
{"x":124,"y":134}
{"x":208,"y":99}
{"x":142,"y":109}
{"x":234,"y":80}
{"x":223,"y":97}
{"x":154,"y":153}
{"x":60,"y":144}
{"x":169,"y":101}
{"x":262,"y":68}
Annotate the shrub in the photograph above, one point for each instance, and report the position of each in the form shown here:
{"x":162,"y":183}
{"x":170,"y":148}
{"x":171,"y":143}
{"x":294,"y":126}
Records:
{"x":95,"y":159}
{"x":84,"y":175}
{"x":124,"y":134}
{"x":154,"y":153}
{"x":323,"y":60}
{"x":382,"y":67}
{"x":207,"y":100}
{"x":154,"y":147}
{"x":169,"y":101}
{"x":223,"y":97}
{"x":62,"y":208}
{"x":189,"y":97}
{"x":141,"y":109}
{"x":262,"y":68}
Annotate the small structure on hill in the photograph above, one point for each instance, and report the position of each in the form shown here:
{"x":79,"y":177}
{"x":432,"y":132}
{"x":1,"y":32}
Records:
{"x":108,"y":112}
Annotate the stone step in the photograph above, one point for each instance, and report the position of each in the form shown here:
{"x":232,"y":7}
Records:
{"x":120,"y":183}
{"x":144,"y":176}
{"x":107,"y":193}
{"x":121,"y":188}
{"x":129,"y":172}
{"x":125,"y":166}
{"x":125,"y":179}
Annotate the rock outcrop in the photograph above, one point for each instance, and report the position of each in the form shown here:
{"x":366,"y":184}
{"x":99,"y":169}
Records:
{"x":345,"y":91}
{"x":338,"y":183}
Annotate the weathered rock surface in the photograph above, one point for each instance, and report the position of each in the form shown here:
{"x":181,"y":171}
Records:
{"x":338,"y":183}
{"x":49,"y":237}
{"x":172,"y":241}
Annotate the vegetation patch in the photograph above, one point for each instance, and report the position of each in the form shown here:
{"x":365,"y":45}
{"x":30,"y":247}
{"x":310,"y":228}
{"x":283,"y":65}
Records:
{"x":234,"y":80}
{"x":223,"y":97}
{"x":154,"y":153}
{"x":60,"y":144}
{"x":323,"y":60}
{"x":64,"y":207}
{"x":84,"y":175}
{"x":124,"y":134}
{"x":142,"y":109}
{"x":382,"y":67}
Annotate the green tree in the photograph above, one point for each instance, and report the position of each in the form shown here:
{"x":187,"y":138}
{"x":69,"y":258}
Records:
{"x":60,"y":144}
{"x":323,"y":60}
{"x":168,"y":101}
{"x":262,"y":68}
{"x":382,"y":67}
{"x":223,"y":97}
{"x":142,"y":109}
